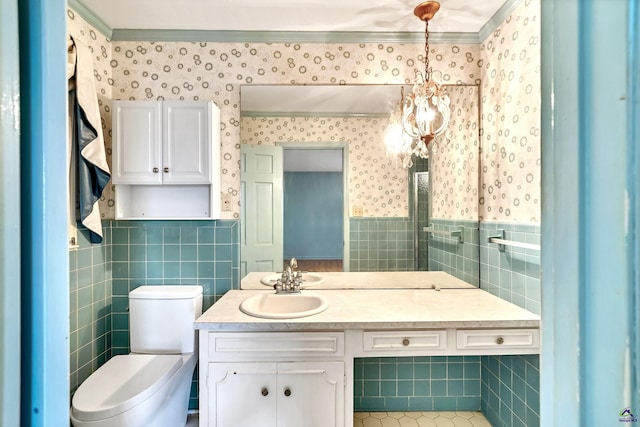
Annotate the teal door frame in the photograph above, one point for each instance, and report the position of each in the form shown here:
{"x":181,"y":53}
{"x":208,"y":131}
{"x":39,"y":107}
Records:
{"x":590,"y":256}
{"x":43,"y":209}
{"x":9,"y":217}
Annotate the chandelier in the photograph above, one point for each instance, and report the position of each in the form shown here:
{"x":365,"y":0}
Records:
{"x":422,"y":115}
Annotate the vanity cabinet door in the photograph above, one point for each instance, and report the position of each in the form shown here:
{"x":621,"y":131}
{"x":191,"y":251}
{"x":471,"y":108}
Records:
{"x":276,"y":394}
{"x":310,"y":394}
{"x":242,"y":394}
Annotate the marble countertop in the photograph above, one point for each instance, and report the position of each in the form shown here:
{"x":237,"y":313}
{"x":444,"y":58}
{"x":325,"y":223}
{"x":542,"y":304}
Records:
{"x":372,"y":280}
{"x":378,"y":309}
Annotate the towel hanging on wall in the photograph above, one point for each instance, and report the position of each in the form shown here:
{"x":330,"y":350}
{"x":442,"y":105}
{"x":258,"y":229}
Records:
{"x":86,"y":137}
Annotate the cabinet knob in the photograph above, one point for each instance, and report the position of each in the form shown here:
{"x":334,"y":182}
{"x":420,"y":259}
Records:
{"x":499,"y":340}
{"x":265,"y":391}
{"x":155,"y":170}
{"x":406,"y":342}
{"x":287,"y":392}
{"x":166,"y":170}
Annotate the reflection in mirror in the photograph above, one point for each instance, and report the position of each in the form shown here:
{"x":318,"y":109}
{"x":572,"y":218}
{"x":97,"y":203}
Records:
{"x":314,"y":169}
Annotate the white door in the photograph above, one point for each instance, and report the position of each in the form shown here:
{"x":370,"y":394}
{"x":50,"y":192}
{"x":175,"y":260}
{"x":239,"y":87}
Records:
{"x":137,"y":139}
{"x":311,"y":394}
{"x":187,"y":141}
{"x":261,"y":208}
{"x":242,"y":394}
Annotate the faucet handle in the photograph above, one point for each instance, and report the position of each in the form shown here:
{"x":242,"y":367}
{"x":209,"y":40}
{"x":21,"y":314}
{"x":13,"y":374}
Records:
{"x":278,"y":286}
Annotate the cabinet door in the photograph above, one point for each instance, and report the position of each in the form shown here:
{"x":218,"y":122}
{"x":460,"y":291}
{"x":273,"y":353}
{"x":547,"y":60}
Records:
{"x":242,"y":394}
{"x":311,"y":394}
{"x":187,"y":141}
{"x":137,"y":133}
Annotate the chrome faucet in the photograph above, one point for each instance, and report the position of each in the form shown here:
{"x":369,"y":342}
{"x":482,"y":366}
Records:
{"x":290,"y":280}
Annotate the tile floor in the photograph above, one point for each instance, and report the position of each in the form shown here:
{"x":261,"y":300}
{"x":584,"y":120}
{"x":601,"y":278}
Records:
{"x":406,"y":419}
{"x":420,"y":419}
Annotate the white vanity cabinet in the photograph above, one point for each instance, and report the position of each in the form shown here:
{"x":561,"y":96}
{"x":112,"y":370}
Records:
{"x":272,"y":379}
{"x":284,"y":394}
{"x":166,"y":159}
{"x":247,"y":363}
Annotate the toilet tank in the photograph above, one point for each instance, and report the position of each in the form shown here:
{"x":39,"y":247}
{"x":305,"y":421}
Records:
{"x":161,"y":318}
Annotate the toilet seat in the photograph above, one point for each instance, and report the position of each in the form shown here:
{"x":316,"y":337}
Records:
{"x":122,"y":383}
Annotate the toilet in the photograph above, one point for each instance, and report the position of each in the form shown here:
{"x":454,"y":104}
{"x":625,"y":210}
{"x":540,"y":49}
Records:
{"x":150,"y":386}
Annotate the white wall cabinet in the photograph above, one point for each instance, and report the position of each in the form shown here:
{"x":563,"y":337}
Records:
{"x":283,"y":394}
{"x":166,"y":159}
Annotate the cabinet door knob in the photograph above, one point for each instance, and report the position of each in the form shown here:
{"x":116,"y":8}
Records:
{"x":165,"y":170}
{"x":265,"y":391}
{"x":406,"y":342}
{"x":499,"y":340}
{"x":155,"y":170}
{"x":287,"y":392}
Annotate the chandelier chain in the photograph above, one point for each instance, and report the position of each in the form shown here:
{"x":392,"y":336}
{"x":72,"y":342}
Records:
{"x":426,"y":49}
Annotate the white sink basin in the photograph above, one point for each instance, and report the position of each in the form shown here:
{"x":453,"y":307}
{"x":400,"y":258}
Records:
{"x":283,"y":306}
{"x":308,"y":279}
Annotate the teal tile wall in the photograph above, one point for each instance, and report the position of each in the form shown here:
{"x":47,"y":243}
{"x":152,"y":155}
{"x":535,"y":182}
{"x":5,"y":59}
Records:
{"x":172,"y":252}
{"x":437,"y":383}
{"x":513,"y":275}
{"x":89,"y":306}
{"x":446,"y":253}
{"x":381,"y":244}
{"x":511,"y":384}
{"x":413,"y":383}
{"x":511,"y":390}
{"x":135,"y":253}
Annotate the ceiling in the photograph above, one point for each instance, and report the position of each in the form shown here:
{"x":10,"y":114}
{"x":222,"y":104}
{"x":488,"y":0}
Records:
{"x":371,"y":16}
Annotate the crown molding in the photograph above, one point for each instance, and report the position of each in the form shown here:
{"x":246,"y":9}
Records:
{"x":312,"y":114}
{"x":292,"y":36}
{"x":91,"y":18}
{"x":497,"y":19}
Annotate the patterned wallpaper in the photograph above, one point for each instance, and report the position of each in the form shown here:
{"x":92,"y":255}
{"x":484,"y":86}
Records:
{"x":455,"y":159}
{"x":376,"y":183}
{"x":506,"y":66}
{"x":510,"y":67}
{"x":180,"y":70}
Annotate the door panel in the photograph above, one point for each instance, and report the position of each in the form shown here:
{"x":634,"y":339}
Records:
{"x":262,"y":208}
{"x":244,"y":394}
{"x":310,"y":394}
{"x":137,"y":133}
{"x":186,"y":147}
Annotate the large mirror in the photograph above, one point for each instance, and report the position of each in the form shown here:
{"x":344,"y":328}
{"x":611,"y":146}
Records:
{"x":317,"y":184}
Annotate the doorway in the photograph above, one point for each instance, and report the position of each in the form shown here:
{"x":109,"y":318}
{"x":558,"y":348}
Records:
{"x":315,"y":200}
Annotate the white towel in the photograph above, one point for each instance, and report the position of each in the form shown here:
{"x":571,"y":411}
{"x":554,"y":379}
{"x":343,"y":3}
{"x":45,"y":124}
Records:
{"x":93,"y":170}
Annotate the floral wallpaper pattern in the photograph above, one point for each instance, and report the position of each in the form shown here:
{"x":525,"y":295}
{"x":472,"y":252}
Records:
{"x":510,"y":67}
{"x":506,"y":66}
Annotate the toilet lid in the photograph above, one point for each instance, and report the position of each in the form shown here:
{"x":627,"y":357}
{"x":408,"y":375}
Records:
{"x":122,"y":383}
